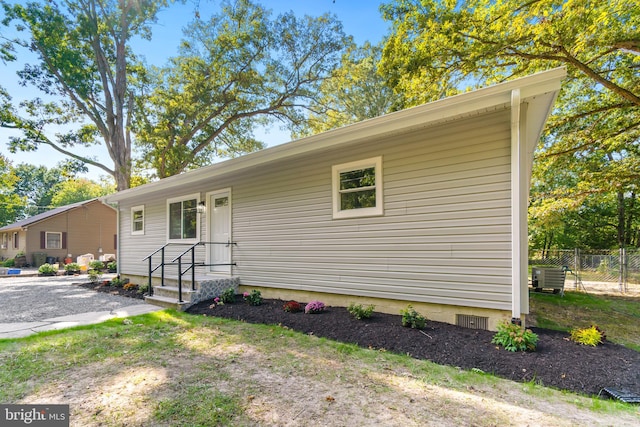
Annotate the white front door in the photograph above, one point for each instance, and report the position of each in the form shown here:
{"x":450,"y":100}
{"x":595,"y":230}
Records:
{"x":220,"y":231}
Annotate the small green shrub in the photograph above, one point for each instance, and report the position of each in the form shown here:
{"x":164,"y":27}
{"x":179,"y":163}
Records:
{"x":591,"y":336}
{"x":72,"y":267}
{"x":112,"y":266}
{"x":514,"y":337}
{"x":94,"y":276}
{"x":253,"y":298}
{"x":47,"y":269}
{"x":11,"y":262}
{"x":96,"y":265}
{"x":228,"y":296}
{"x":413,"y":319}
{"x":143,"y":289}
{"x":117,"y":282}
{"x":360,"y":312}
{"x":292,"y":307}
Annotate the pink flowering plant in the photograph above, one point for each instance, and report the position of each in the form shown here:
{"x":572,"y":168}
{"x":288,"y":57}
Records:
{"x":216,"y":301}
{"x":314,"y":307}
{"x":253,"y":298}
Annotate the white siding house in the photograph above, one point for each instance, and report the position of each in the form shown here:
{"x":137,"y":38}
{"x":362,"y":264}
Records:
{"x":426,"y":206}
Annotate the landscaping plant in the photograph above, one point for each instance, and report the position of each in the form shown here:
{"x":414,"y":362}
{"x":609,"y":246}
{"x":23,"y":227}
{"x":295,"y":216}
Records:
{"x":591,"y":336}
{"x":411,"y":318}
{"x":112,"y":267}
{"x":314,"y":307}
{"x":253,"y":298}
{"x":228,"y":296}
{"x":94,"y":276}
{"x":47,"y":270}
{"x":292,"y":307}
{"x":117,"y":282}
{"x":515,"y":337}
{"x":360,"y":312}
{"x":72,"y":267}
{"x":130,"y":286}
{"x":96,"y":265}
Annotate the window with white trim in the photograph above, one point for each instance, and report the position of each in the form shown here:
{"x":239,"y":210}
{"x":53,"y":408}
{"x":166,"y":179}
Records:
{"x":3,"y":242}
{"x":16,"y":240}
{"x":137,"y":220}
{"x":182,"y":218}
{"x":53,"y":240}
{"x":357,"y":188}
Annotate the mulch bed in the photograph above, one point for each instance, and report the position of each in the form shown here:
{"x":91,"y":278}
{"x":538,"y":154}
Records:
{"x":557,"y":362}
{"x":105,"y":286}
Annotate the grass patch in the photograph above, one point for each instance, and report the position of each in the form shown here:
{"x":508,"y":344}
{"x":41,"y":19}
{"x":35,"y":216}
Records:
{"x":200,"y":405}
{"x":618,"y":316}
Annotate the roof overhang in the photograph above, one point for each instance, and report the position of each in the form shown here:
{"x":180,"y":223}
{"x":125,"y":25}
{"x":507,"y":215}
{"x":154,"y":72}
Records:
{"x":538,"y":91}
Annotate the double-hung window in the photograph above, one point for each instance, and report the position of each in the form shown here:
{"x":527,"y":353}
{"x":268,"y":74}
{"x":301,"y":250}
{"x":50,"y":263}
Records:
{"x":53,"y":240}
{"x":357,"y":188}
{"x":183,"y":218}
{"x":137,"y":220}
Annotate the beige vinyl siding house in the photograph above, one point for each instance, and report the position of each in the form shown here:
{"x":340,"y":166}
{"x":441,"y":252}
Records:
{"x":426,"y":206}
{"x":76,"y":229}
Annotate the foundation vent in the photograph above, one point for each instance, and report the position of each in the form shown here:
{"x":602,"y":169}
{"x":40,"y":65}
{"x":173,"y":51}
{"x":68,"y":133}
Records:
{"x":472,"y":322}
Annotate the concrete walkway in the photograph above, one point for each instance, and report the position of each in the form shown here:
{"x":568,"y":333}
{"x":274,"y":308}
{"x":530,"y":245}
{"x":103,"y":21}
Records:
{"x":34,"y":304}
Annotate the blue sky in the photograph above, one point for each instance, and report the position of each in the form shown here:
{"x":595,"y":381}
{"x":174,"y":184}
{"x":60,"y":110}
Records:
{"x":360,"y":18}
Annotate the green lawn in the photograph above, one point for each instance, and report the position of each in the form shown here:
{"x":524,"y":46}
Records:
{"x":618,"y":316}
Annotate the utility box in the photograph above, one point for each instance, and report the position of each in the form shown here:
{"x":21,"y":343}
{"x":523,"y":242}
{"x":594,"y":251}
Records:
{"x":548,"y":278}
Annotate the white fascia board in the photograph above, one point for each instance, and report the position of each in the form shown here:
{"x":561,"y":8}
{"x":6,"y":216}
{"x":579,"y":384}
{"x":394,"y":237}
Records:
{"x":402,"y":121}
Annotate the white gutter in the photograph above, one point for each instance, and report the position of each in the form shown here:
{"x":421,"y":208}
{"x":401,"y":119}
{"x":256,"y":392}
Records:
{"x":118,"y":233}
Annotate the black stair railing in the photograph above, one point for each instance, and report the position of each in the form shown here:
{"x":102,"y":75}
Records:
{"x":190,"y":266}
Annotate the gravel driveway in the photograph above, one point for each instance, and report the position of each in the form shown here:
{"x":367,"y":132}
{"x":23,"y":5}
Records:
{"x":33,"y":299}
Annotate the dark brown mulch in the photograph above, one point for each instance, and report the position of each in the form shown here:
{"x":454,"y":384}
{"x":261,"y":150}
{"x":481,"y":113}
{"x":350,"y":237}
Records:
{"x":557,"y":362}
{"x":105,"y":286}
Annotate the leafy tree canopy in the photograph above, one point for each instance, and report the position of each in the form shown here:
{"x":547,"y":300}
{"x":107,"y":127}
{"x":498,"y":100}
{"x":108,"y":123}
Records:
{"x":355,"y":92}
{"x":10,"y":202}
{"x":85,"y":65}
{"x":38,"y":184}
{"x":240,"y":68}
{"x":78,"y":190}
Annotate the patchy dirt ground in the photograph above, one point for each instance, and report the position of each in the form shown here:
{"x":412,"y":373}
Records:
{"x":557,"y":362}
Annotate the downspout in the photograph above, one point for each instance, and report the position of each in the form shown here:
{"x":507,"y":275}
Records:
{"x":118,"y":239}
{"x":518,"y":209}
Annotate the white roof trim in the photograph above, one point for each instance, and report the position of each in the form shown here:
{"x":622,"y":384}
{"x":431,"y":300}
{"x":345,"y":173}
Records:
{"x":402,"y":121}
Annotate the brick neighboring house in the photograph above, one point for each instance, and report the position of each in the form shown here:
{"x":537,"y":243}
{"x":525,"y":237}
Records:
{"x":75,"y":229}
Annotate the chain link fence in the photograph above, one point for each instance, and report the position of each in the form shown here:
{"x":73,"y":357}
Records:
{"x":597,"y":268}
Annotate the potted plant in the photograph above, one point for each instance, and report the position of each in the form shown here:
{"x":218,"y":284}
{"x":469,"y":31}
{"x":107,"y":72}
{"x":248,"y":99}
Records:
{"x":20,"y":259}
{"x":96,"y":265}
{"x":112,"y":267}
{"x":47,"y":270}
{"x":72,"y":268}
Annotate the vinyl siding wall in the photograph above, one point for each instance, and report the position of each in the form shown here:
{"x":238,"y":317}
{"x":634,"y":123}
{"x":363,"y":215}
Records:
{"x":444,"y":237}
